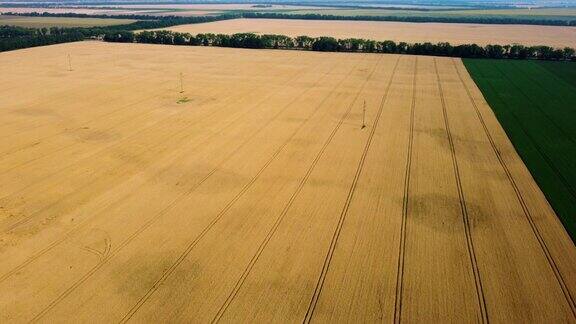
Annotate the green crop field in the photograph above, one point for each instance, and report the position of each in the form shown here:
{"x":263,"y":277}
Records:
{"x":561,"y":71}
{"x":40,"y":22}
{"x":536,"y":104}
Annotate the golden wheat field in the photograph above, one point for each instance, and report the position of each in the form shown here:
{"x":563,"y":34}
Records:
{"x":255,"y":194}
{"x":558,"y":36}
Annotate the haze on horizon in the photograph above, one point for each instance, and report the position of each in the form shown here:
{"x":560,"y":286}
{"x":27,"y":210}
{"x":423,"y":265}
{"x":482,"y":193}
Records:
{"x":367,"y":3}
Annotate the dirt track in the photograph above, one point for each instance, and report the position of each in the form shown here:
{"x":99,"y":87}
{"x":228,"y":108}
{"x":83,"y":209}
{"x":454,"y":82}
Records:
{"x":558,"y":36}
{"x":256,"y":196}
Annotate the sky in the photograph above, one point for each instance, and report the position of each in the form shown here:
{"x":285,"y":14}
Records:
{"x":408,"y":3}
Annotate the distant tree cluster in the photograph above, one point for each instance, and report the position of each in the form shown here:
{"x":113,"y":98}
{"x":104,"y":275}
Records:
{"x":240,"y":40}
{"x":12,"y":38}
{"x":13,"y":31}
{"x":330,"y":44}
{"x":418,"y":19}
{"x":17,"y":37}
{"x":165,"y":21}
{"x":143,"y":21}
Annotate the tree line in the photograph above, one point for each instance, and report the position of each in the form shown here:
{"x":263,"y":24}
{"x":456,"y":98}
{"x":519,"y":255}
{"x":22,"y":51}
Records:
{"x":111,"y":4}
{"x":178,"y":20}
{"x":17,"y":37}
{"x":12,"y":37}
{"x":142,"y":21}
{"x":330,"y":44}
{"x":418,"y":19}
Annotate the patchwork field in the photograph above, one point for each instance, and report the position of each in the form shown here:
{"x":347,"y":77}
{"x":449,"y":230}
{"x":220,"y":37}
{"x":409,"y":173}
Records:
{"x":535,"y":103}
{"x":565,"y":14}
{"x":255,"y":195}
{"x":540,"y":13}
{"x":159,"y":9}
{"x":113,"y":11}
{"x":86,"y":11}
{"x":212,"y":6}
{"x":39,"y":22}
{"x":396,"y":31}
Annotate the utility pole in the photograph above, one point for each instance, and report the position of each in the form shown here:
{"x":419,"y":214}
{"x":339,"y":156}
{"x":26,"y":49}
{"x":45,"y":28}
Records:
{"x":69,"y":63}
{"x":181,"y":83}
{"x":364,"y":115}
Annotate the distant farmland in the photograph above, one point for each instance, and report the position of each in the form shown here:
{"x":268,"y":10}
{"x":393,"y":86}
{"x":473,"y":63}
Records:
{"x":80,"y":10}
{"x":40,"y":22}
{"x":397,"y":31}
{"x":565,"y":14}
{"x":547,"y":13}
{"x":199,"y":184}
{"x":536,"y":104}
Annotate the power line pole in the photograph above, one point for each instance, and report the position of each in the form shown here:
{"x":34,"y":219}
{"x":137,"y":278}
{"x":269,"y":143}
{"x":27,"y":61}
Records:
{"x":364,"y":115}
{"x":69,"y":63}
{"x":181,"y":82}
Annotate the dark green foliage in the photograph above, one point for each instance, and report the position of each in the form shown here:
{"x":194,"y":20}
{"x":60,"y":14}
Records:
{"x":120,"y":37}
{"x":144,"y":21}
{"x":246,"y":40}
{"x":537,"y":108}
{"x":467,"y":20}
{"x":304,"y":41}
{"x":12,"y":38}
{"x":13,"y":31}
{"x":121,"y":33}
{"x":277,"y":41}
{"x":330,"y":44}
{"x":326,"y":44}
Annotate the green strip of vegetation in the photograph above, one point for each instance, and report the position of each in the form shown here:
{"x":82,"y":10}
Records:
{"x":536,"y":105}
{"x":122,"y":33}
{"x":41,"y":22}
{"x":559,"y":14}
{"x":440,"y":19}
{"x":12,"y":37}
{"x":330,"y":44}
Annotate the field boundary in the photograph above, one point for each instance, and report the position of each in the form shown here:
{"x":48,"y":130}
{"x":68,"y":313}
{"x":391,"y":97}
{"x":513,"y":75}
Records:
{"x":571,"y":191}
{"x":525,"y":209}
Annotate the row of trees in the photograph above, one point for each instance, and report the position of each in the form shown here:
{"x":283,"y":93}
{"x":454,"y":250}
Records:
{"x":16,"y":37}
{"x":87,"y":4}
{"x":12,"y":31}
{"x":330,"y":44}
{"x":12,"y":38}
{"x":15,"y":31}
{"x":421,"y":19}
{"x":165,"y":21}
{"x":143,"y":21}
